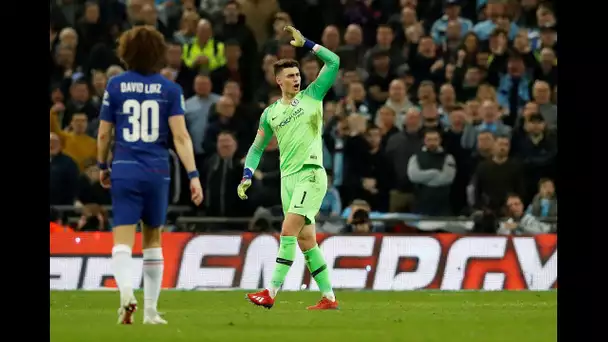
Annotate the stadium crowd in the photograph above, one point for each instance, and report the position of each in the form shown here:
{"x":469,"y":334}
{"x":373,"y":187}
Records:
{"x":441,"y":107}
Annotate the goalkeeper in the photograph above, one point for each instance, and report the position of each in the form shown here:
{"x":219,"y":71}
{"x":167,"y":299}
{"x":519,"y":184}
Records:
{"x":296,"y":120}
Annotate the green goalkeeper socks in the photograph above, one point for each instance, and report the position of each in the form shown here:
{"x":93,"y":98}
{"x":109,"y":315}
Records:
{"x":287,"y":253}
{"x":318,"y":270}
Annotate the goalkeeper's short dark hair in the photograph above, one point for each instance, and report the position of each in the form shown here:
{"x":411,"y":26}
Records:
{"x":281,"y":64}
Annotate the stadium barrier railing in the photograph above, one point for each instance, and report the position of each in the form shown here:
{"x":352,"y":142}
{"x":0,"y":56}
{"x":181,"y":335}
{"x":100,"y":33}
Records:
{"x":179,"y":217}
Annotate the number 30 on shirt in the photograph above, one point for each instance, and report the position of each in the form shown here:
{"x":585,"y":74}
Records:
{"x":144,"y":120}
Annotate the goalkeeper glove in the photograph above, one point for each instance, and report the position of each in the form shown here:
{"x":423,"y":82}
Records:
{"x":298,"y":38}
{"x":245,"y":183}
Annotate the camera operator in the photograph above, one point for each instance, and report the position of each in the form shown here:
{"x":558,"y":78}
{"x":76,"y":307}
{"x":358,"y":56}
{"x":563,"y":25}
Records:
{"x":360,"y":223}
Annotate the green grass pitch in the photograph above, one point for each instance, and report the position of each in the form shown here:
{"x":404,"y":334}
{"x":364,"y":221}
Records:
{"x":417,"y":316}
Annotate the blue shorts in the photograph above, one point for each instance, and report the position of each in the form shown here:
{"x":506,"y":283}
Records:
{"x":134,"y":200}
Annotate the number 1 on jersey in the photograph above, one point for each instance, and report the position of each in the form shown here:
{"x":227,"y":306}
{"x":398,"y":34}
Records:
{"x":144,"y":119}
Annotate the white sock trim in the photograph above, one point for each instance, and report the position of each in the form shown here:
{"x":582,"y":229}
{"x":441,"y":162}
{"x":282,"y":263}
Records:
{"x":330,"y":295}
{"x":153,"y":253}
{"x":121,"y":249}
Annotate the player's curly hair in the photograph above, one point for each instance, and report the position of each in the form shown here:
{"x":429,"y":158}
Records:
{"x":142,"y":49}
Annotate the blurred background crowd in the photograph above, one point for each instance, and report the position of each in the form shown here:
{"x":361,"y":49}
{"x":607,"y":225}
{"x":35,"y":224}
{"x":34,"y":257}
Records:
{"x":441,"y":108}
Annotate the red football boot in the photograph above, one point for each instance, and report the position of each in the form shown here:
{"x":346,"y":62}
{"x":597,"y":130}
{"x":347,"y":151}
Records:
{"x":261,"y":298}
{"x":324,"y":304}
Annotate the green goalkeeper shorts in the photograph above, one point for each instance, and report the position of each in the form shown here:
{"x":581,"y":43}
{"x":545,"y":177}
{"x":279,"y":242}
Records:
{"x":302,"y":192}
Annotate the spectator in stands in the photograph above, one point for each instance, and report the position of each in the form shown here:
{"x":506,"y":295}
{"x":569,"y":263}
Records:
{"x":205,"y":52}
{"x":430,"y":117}
{"x":79,"y":102}
{"x":197,"y":112}
{"x":521,"y":45}
{"x":399,"y":149}
{"x":386,"y":122}
{"x":90,"y":190}
{"x":423,"y":57}
{"x":545,"y":17}
{"x":520,"y":222}
{"x":245,"y":111}
{"x":259,"y":13}
{"x":90,"y":28}
{"x":547,"y":69}
{"x":212,"y":7}
{"x":527,"y":17}
{"x":398,"y":100}
{"x":537,"y":149}
{"x":491,"y":122}
{"x":266,"y":86}
{"x":150,"y":17}
{"x":353,"y":50}
{"x":451,"y":139}
{"x":355,"y":145}
{"x":401,"y":22}
{"x":426,"y":94}
{"x":224,"y":120}
{"x":495,"y":178}
{"x":94,"y":218}
{"x":236,"y":69}
{"x":379,"y":79}
{"x":76,"y":143}
{"x":360,"y":223}
{"x":356,"y":100}
{"x":270,"y":45}
{"x":484,"y":148}
{"x":542,"y":97}
{"x":286,"y":51}
{"x":384,"y":42}
{"x":184,"y":76}
{"x":447,"y":101}
{"x":168,"y":73}
{"x":69,"y":39}
{"x":310,"y":71}
{"x":544,"y":203}
{"x":266,"y":190}
{"x":114,"y":70}
{"x":63,"y":175}
{"x":432,"y":172}
{"x":334,"y":142}
{"x":513,"y":87}
{"x":466,"y":80}
{"x":62,"y":65}
{"x":495,"y":11}
{"x":331,"y":205}
{"x":222,"y":173}
{"x":451,"y":13}
{"x":373,"y":172}
{"x":355,"y":205}
{"x":187,"y":31}
{"x":331,"y":38}
{"x":99,"y":87}
{"x":231,"y":27}
{"x":486,"y":92}
{"x":471,"y":109}
{"x":548,"y":37}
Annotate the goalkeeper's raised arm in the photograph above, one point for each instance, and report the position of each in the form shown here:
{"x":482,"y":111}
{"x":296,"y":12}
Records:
{"x":329,"y":72}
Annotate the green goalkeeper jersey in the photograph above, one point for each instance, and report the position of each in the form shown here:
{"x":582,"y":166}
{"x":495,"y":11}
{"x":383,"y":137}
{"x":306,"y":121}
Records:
{"x":298,"y":125}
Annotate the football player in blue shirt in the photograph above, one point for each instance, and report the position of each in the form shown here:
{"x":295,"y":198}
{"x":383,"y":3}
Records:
{"x":141,"y":107}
